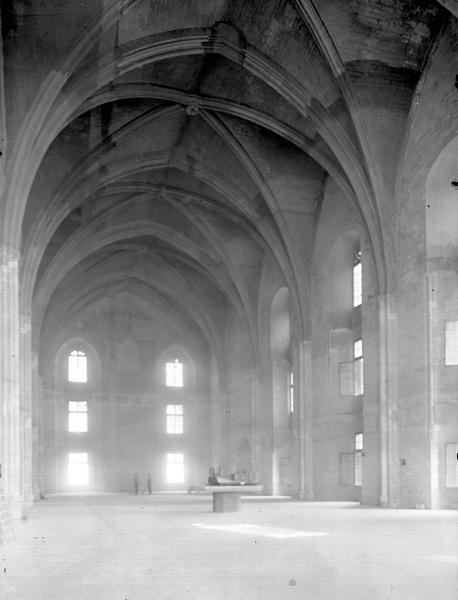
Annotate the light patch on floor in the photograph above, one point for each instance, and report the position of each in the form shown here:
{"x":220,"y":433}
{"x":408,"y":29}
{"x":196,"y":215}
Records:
{"x":260,"y":530}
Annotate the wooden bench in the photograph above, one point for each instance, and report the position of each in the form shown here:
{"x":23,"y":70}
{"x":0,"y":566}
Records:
{"x":227,"y":498}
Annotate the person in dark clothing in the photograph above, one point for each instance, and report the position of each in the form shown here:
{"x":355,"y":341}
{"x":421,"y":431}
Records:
{"x":136,"y":484}
{"x":149,"y":484}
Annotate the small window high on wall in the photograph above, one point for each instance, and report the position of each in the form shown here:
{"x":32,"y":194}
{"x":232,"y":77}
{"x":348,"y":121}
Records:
{"x":174,"y":373}
{"x":357,"y":280}
{"x":175,"y":467}
{"x":358,"y":459}
{"x":77,"y":367}
{"x":78,"y":468}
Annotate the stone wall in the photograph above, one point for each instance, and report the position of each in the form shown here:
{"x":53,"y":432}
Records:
{"x":426,"y":292}
{"x":126,"y":398}
{"x":337,"y":413}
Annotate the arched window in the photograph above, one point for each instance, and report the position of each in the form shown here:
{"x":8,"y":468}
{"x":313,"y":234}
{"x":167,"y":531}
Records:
{"x":174,"y":373}
{"x":357,"y":280}
{"x":77,"y":367}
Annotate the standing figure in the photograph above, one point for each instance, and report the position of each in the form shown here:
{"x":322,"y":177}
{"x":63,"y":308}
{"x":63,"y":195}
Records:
{"x":149,"y":484}
{"x":212,"y":477}
{"x":136,"y":484}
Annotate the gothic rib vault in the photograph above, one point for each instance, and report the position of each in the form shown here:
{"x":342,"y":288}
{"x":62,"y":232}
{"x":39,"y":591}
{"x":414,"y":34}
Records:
{"x":169,"y":168}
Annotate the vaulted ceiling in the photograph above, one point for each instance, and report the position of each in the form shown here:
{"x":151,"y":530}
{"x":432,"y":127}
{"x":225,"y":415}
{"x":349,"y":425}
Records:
{"x":173,"y":148}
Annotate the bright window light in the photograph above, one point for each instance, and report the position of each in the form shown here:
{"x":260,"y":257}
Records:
{"x":174,"y":373}
{"x":358,"y":349}
{"x":358,"y":441}
{"x":291,"y":392}
{"x":359,"y":367}
{"x":174,"y":418}
{"x":357,"y":281}
{"x":359,"y":376}
{"x":358,"y":459}
{"x":78,"y":468}
{"x":451,"y":342}
{"x":77,"y":367}
{"x":77,"y":417}
{"x":175,"y":468}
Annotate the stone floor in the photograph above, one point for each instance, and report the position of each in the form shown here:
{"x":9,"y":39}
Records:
{"x":120,"y":547}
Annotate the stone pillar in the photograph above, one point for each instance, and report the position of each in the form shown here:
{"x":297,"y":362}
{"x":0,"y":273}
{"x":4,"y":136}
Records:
{"x":25,"y":348}
{"x":218,"y":402}
{"x":432,"y":284}
{"x":262,"y":381}
{"x":263,"y":436}
{"x":9,"y":377}
{"x":37,"y":432}
{"x":280,"y":445}
{"x":389,"y":442}
{"x":256,"y":398}
{"x":304,"y":397}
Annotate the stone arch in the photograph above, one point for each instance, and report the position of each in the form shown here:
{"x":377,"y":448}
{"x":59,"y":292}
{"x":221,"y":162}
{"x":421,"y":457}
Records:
{"x":344,"y":149}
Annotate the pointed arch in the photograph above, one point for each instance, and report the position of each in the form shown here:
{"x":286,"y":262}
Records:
{"x":82,"y":348}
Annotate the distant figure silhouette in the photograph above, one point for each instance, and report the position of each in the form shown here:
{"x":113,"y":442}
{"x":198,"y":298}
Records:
{"x":149,"y":484}
{"x":136,"y":484}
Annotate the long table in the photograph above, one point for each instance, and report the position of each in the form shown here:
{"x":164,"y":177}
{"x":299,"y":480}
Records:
{"x":227,"y":498}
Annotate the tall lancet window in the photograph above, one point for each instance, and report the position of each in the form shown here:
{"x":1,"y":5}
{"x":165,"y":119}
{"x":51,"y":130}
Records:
{"x":174,"y":373}
{"x":359,"y":367}
{"x":357,"y":280}
{"x":77,"y":367}
{"x":291,"y":392}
